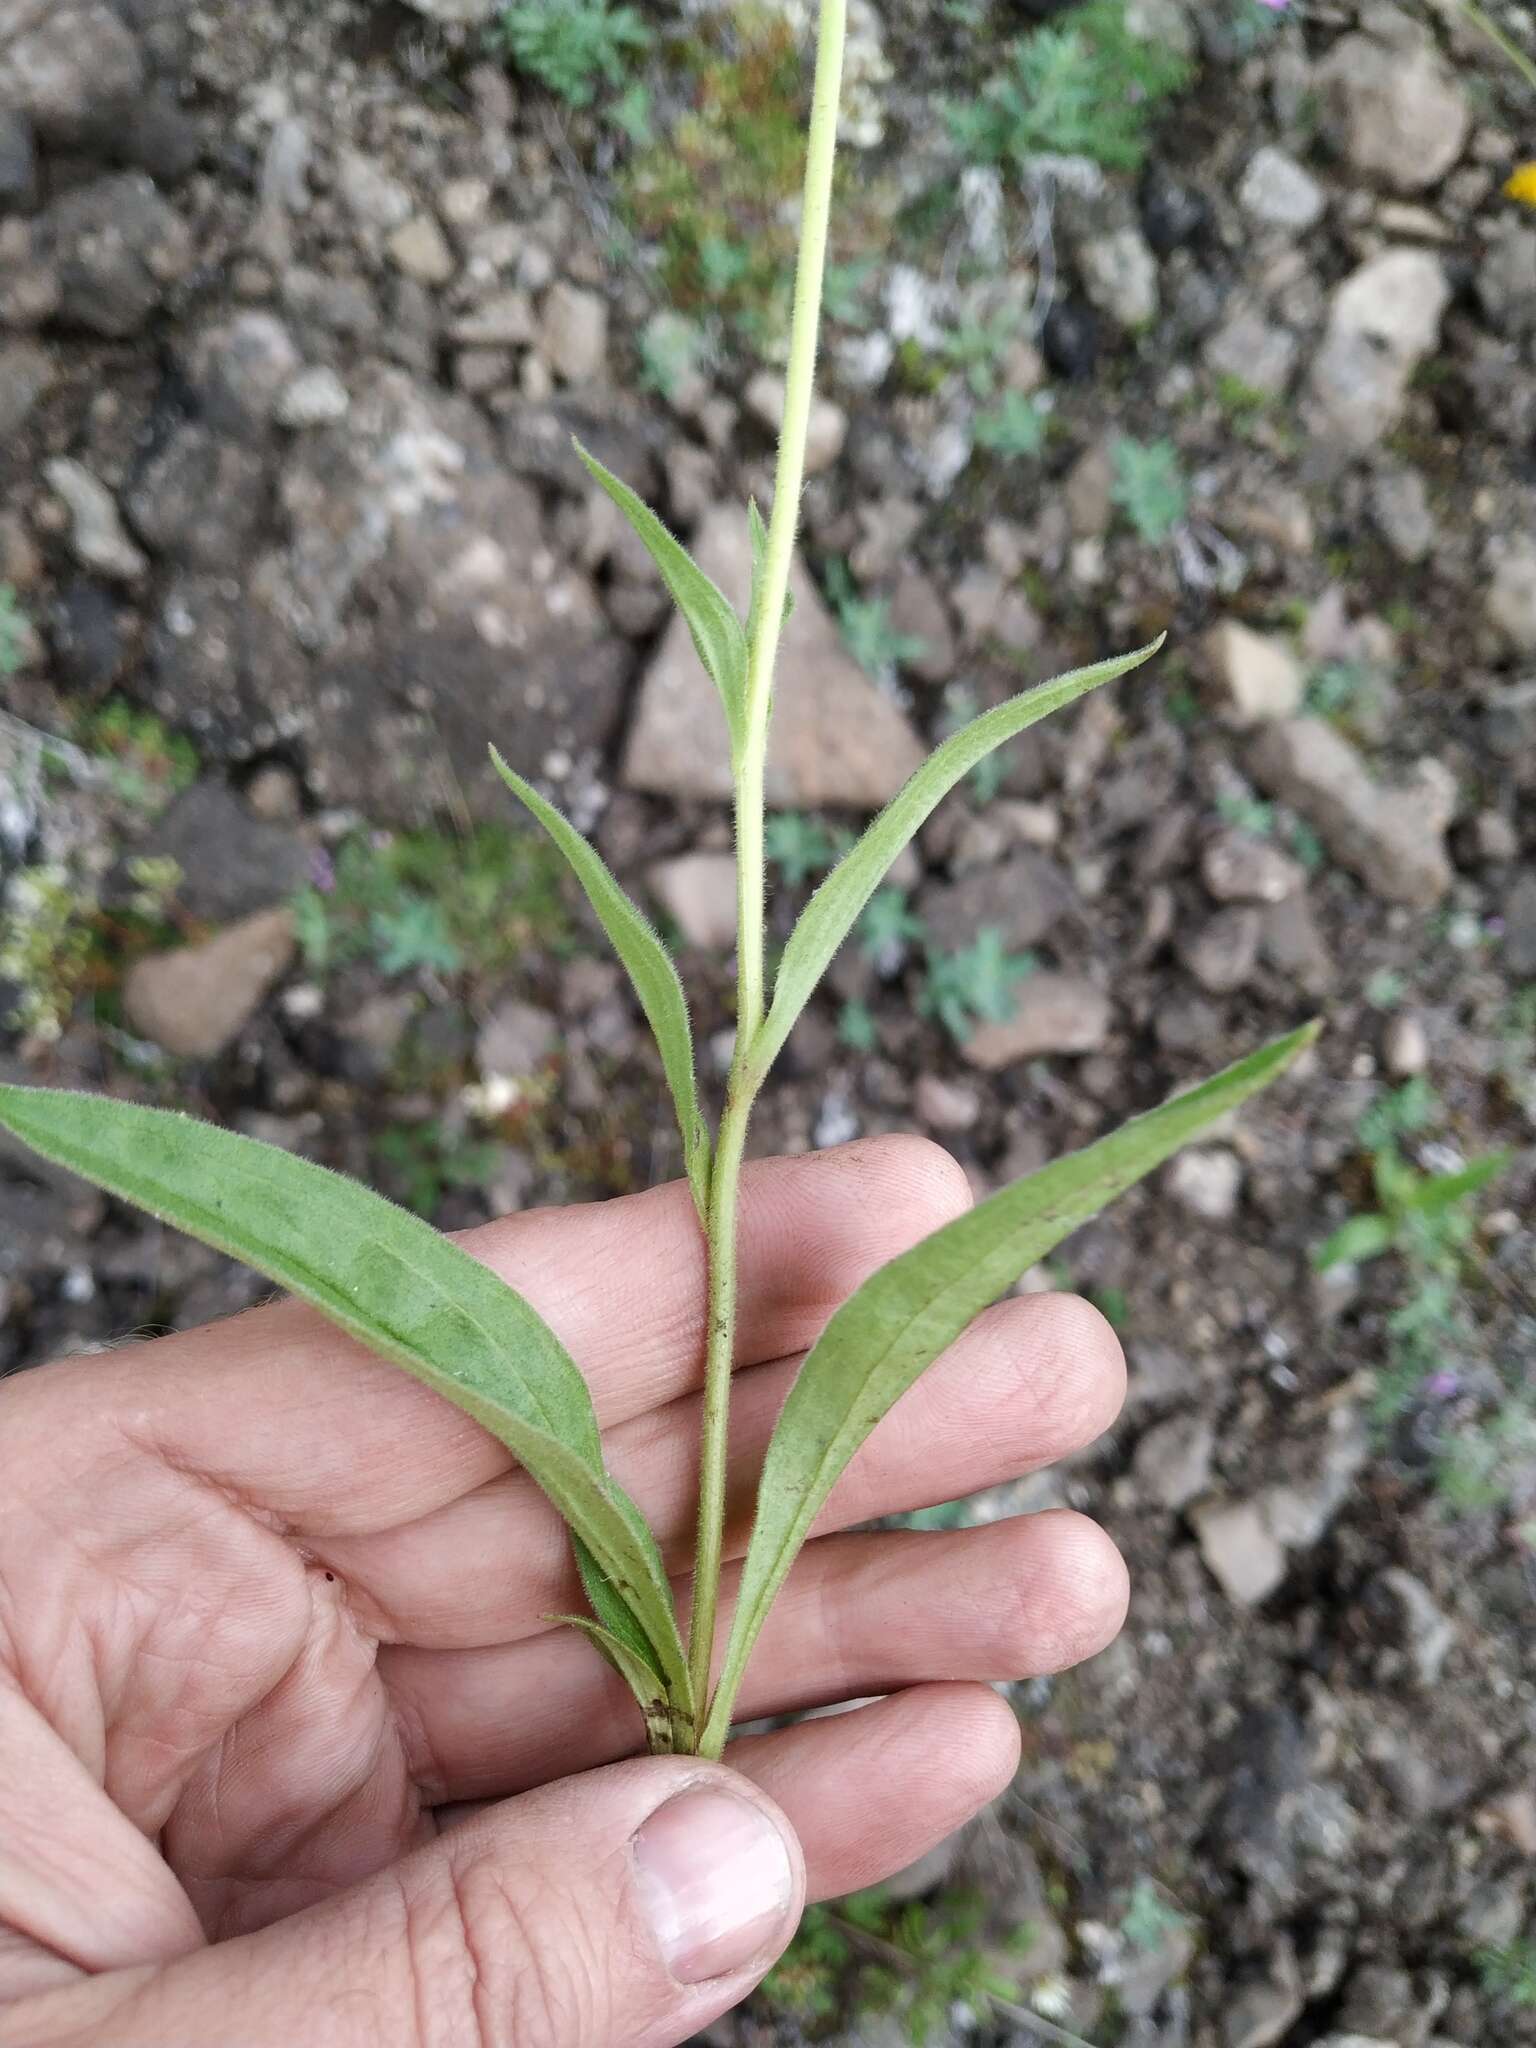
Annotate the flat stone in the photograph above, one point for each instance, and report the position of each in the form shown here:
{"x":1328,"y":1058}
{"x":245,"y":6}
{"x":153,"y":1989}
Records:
{"x":1022,"y":898}
{"x":1222,"y":952}
{"x":1172,"y":1462}
{"x":1237,"y":868}
{"x":421,"y":251}
{"x":97,"y":537}
{"x":945,"y":1105}
{"x":27,"y":375}
{"x":505,"y":320}
{"x":1239,"y":1549}
{"x":1383,"y":320}
{"x":1256,"y":676}
{"x":1510,"y":598}
{"x":836,"y":739}
{"x":196,"y":1000}
{"x":1399,"y":501}
{"x":1393,"y":838}
{"x":1207,"y":1181}
{"x":117,"y":249}
{"x":1392,"y":108}
{"x":698,"y":891}
{"x":515,"y":1040}
{"x":828,"y":428}
{"x":573,"y":334}
{"x":1278,"y":192}
{"x":314,"y":398}
{"x":1405,"y":1046}
{"x":1252,"y":350}
{"x":72,"y":67}
{"x":1119,"y":274}
{"x":1053,"y":1013}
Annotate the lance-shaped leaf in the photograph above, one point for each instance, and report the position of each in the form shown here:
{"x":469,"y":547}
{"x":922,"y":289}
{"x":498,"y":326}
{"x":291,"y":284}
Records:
{"x":1443,"y":1191}
{"x":717,"y":632}
{"x":386,"y":1278}
{"x":903,"y":1317}
{"x":839,"y":902}
{"x":650,"y":967}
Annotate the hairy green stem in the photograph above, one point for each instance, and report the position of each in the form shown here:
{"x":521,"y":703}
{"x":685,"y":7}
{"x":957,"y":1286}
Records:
{"x":750,"y":768}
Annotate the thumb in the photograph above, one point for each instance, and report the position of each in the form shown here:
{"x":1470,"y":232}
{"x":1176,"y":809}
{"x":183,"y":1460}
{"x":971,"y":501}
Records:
{"x":624,"y":1909}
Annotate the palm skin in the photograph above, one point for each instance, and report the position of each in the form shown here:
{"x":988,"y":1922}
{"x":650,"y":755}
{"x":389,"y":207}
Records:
{"x":271,"y":1613}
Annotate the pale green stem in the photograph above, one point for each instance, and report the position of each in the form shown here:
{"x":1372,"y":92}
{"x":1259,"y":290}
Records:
{"x":750,"y":767}
{"x":1510,"y":48}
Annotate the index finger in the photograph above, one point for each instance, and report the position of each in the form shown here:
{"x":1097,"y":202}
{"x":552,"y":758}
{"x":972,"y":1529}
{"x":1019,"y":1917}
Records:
{"x":300,"y":1422}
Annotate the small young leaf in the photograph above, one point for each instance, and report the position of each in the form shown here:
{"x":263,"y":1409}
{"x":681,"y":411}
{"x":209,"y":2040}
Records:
{"x":650,"y":969}
{"x":636,"y":1674}
{"x":1361,"y":1238}
{"x":716,"y":630}
{"x":836,"y":906}
{"x":888,"y":1333}
{"x":759,"y":534}
{"x":386,"y":1278}
{"x":1444,"y":1191}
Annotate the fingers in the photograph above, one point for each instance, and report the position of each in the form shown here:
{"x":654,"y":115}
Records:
{"x":1031,"y":1381}
{"x":860,"y":1614}
{"x":626,"y":1909}
{"x":294,"y":1419}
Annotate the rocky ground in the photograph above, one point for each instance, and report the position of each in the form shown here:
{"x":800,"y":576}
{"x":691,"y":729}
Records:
{"x":299,"y":306}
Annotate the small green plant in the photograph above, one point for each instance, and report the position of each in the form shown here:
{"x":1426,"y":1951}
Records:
{"x":572,"y":47}
{"x":889,"y":925}
{"x":15,"y":631}
{"x":422,"y":1302}
{"x":976,"y":347}
{"x":1149,"y":487}
{"x":873,"y":641}
{"x":1508,"y":1971}
{"x":800,"y":847}
{"x":1150,"y":1920}
{"x":144,"y":762}
{"x":916,"y":1961}
{"x":1015,"y":426}
{"x":672,"y":350}
{"x":430,"y":901}
{"x":1334,"y":689}
{"x":1085,"y":84}
{"x":973,"y":985}
{"x":1426,"y":1220}
{"x":856,"y":1027}
{"x":422,"y":1162}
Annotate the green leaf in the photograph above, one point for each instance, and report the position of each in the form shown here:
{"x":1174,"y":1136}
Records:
{"x":1361,"y":1238}
{"x":716,"y":630}
{"x":837,"y":905}
{"x":389,"y":1280}
{"x":888,"y":1333}
{"x":1444,"y":1191}
{"x":650,"y":969}
{"x":636,"y":1674}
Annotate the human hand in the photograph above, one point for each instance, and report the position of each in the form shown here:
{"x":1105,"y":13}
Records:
{"x":290,"y":1753}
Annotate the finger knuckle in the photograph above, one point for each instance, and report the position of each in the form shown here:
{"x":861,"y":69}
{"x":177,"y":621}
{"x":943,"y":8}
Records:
{"x":496,"y":1967}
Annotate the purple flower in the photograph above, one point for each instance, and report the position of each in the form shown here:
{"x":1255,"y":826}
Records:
{"x":1442,"y":1386}
{"x":1275,"y":6}
{"x":322,"y":871}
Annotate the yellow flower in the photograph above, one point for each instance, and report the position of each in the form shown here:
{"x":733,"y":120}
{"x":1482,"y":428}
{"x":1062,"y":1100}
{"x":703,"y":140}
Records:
{"x":1522,"y":184}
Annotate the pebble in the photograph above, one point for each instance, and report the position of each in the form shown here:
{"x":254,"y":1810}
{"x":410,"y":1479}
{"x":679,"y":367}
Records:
{"x":1382,"y":321}
{"x":27,"y":375}
{"x":515,"y":1041}
{"x":315,"y":398}
{"x":1207,"y":1180}
{"x":827,"y":430}
{"x":1278,"y":192}
{"x":1391,"y":108}
{"x":945,"y":1105}
{"x":1222,"y":952}
{"x":1399,"y":502}
{"x":1429,"y":1634}
{"x":1256,"y":676}
{"x":1393,"y":838}
{"x":116,"y":249}
{"x":573,"y":333}
{"x":1252,"y":350}
{"x":1119,"y":275}
{"x":1239,"y":1549}
{"x":1237,"y":868}
{"x":1172,"y":1462}
{"x":503,"y":321}
{"x":97,"y":535}
{"x":698,"y":891}
{"x":194,"y":1001}
{"x":1510,"y":599}
{"x":421,"y":251}
{"x":1053,"y":1013}
{"x":1405,"y":1046}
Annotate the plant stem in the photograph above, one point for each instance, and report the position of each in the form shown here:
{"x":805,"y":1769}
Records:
{"x":750,"y":769}
{"x":1510,"y":48}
